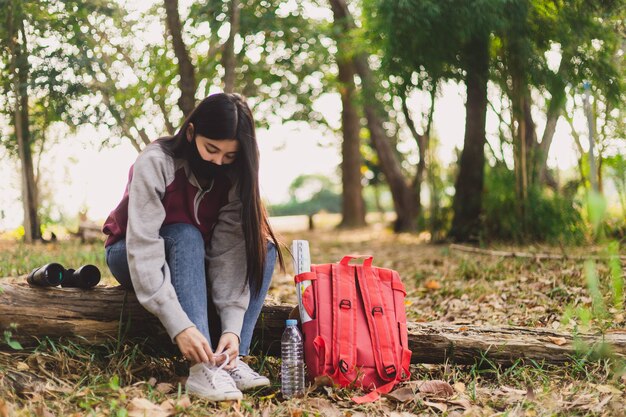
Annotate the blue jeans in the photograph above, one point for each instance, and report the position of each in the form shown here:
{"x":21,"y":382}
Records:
{"x":184,"y":254}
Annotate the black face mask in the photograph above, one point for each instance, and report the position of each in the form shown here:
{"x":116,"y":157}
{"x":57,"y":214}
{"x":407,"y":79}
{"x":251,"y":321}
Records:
{"x":204,"y":169}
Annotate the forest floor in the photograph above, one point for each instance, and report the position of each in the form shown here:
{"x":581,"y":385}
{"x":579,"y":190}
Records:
{"x":443,"y":285}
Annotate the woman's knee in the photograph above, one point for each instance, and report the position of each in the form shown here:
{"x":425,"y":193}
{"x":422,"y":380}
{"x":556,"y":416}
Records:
{"x":115,"y":256}
{"x":183,"y":234}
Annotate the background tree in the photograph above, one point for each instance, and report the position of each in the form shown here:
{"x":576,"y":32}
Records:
{"x":41,"y":83}
{"x":353,"y":205}
{"x":448,"y":41}
{"x":404,"y":195}
{"x":186,"y":70}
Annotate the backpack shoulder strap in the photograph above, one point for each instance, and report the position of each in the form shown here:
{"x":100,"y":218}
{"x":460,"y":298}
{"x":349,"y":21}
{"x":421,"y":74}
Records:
{"x":379,"y":321}
{"x":344,"y":323}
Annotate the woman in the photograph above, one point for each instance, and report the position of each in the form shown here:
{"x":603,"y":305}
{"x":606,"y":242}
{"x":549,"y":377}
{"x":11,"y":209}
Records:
{"x":191,"y":230}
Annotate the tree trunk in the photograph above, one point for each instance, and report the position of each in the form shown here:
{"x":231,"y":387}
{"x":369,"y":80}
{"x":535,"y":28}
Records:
{"x":405,"y":198}
{"x":593,"y":173}
{"x":353,"y":205}
{"x":20,"y":70}
{"x":422,"y":141}
{"x":186,"y":70}
{"x":555,"y":109}
{"x":228,"y":56}
{"x":469,"y":183}
{"x":106,"y":314}
{"x":579,"y":147}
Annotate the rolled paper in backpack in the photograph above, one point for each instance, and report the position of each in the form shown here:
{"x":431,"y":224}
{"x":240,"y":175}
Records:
{"x":49,"y":275}
{"x":301,"y":263}
{"x":85,"y":277}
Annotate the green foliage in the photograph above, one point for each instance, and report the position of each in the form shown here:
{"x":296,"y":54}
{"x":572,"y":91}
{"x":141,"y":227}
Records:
{"x":55,"y":63}
{"x":309,"y":194}
{"x":324,"y":200}
{"x":8,"y":338}
{"x":284,"y":63}
{"x":617,"y":280}
{"x":552,"y":217}
{"x":596,"y":210}
{"x":615,"y":168}
{"x":21,"y":259}
{"x":606,"y":290}
{"x":598,"y":308}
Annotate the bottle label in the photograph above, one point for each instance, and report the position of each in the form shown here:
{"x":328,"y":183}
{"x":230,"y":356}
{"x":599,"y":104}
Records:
{"x":301,"y":263}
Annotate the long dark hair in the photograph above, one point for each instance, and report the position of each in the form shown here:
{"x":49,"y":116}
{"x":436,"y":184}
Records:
{"x":227,"y":116}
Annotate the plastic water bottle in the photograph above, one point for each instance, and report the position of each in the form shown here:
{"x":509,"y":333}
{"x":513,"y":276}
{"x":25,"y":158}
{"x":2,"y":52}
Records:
{"x":292,"y":368}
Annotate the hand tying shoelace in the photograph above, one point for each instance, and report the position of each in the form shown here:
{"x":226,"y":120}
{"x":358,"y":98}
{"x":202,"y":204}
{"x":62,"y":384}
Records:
{"x":219,"y":368}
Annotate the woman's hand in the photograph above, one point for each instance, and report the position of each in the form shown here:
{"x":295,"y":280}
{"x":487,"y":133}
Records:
{"x":194,"y":346}
{"x":229,"y":344}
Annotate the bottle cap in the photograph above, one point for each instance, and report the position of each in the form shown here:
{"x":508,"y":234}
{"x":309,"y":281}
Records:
{"x":292,"y":322}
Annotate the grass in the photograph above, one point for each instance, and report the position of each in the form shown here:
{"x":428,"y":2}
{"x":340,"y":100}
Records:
{"x":67,"y":378}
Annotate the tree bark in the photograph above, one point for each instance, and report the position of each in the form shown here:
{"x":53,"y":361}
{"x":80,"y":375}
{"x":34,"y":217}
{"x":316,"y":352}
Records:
{"x":352,"y":204}
{"x":422,"y":141}
{"x":555,"y":109}
{"x":467,"y":203}
{"x":228,"y":55}
{"x":20,"y":70}
{"x":106,"y":314}
{"x":187,"y":83}
{"x":404,"y":197}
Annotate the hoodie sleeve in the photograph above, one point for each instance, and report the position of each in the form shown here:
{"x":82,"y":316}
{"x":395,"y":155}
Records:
{"x":226,"y":256}
{"x":145,"y":247}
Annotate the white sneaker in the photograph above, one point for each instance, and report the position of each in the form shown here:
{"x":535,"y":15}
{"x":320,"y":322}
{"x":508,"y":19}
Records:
{"x":212,"y":383}
{"x":245,"y":378}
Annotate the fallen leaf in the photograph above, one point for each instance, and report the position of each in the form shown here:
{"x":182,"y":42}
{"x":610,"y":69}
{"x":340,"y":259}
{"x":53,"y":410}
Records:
{"x":174,"y":407}
{"x":325,"y":407}
{"x":322,"y":381}
{"x":432,"y":284}
{"x":184,"y":402}
{"x":402,"y":395}
{"x":461,"y":402}
{"x":513,"y":390}
{"x":559,"y":341}
{"x":268,"y":396}
{"x":152,"y":381}
{"x":165,"y":387}
{"x":295,"y":412}
{"x":22,"y":366}
{"x":6,"y":409}
{"x":439,"y":406}
{"x":142,"y":407}
{"x":459,"y":387}
{"x":435,"y":387}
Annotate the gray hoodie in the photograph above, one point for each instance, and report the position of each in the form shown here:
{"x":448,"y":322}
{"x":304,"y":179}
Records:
{"x":162,"y":190}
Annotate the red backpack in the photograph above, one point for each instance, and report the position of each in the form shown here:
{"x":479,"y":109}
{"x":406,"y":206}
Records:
{"x":357,"y":333}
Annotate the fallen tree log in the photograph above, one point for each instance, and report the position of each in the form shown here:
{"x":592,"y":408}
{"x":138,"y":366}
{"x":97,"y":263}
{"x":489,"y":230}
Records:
{"x":106,"y":314}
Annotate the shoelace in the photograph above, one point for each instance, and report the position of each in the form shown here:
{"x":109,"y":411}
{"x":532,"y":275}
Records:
{"x":220,"y":371}
{"x":241,"y":367}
